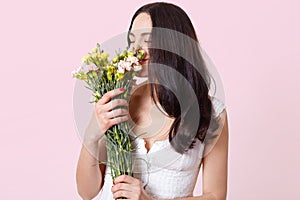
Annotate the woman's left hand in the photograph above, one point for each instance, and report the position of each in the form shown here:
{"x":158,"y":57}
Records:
{"x":129,"y":187}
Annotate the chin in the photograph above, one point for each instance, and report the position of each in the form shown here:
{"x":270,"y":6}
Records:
{"x":144,"y":71}
{"x":141,"y":74}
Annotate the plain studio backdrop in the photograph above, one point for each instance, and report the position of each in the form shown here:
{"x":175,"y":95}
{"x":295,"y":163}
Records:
{"x":254,"y":44}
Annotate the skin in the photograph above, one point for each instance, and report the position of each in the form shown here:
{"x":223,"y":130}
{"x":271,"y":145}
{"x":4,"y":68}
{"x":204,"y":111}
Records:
{"x":142,"y":112}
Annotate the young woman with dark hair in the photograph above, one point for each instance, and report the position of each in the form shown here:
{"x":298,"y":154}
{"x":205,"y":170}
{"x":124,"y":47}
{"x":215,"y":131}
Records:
{"x":186,"y":127}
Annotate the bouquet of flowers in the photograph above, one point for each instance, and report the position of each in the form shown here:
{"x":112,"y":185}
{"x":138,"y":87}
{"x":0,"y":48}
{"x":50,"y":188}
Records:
{"x":101,"y":76}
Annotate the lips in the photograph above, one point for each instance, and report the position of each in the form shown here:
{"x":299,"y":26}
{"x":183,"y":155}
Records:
{"x":144,"y":60}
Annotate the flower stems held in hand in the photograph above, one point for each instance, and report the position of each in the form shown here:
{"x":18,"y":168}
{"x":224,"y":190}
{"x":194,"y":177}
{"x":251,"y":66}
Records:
{"x":103,"y":75}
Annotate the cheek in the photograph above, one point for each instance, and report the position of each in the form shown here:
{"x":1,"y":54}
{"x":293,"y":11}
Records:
{"x":147,"y":56}
{"x":147,"y":53}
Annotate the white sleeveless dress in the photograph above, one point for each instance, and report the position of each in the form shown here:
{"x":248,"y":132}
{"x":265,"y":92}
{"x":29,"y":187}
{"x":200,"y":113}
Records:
{"x":164,"y":173}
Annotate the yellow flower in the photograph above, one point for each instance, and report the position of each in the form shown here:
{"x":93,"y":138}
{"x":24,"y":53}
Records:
{"x":109,"y":76}
{"x":116,"y":59}
{"x":119,"y":76}
{"x":123,"y":54}
{"x":95,"y":50}
{"x":85,"y":58}
{"x":104,"y":56}
{"x":130,"y":54}
{"x":111,"y":68}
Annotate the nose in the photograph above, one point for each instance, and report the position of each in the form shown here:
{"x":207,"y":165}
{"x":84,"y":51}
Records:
{"x":135,"y":45}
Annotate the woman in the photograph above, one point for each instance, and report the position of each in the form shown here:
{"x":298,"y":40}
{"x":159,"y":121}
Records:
{"x":164,"y":107}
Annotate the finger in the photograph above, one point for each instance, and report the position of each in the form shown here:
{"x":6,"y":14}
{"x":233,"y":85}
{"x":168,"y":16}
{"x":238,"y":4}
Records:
{"x":114,"y":103}
{"x":116,"y":113}
{"x":123,"y":193}
{"x":122,"y":186}
{"x":110,"y":94}
{"x":125,"y":179}
{"x":118,"y":120}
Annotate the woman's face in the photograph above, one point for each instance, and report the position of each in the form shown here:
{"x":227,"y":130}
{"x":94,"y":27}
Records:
{"x":140,"y":36}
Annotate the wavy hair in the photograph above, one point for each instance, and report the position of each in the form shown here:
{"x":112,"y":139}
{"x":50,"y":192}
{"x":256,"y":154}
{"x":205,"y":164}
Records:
{"x":195,"y":79}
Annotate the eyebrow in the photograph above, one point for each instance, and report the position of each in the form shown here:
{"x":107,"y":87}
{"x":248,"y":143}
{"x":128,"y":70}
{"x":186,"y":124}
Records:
{"x":146,"y":33}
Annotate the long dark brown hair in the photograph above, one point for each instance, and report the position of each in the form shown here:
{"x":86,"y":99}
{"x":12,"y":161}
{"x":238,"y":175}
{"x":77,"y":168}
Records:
{"x":195,"y":73}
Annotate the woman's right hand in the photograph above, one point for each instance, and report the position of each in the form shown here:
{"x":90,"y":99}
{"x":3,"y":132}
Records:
{"x":105,"y":116}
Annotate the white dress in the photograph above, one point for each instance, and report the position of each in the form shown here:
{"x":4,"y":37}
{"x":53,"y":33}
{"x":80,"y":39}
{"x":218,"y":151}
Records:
{"x":164,"y":173}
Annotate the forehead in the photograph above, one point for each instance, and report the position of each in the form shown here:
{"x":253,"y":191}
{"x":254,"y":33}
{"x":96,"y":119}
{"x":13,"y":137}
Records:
{"x":141,"y":24}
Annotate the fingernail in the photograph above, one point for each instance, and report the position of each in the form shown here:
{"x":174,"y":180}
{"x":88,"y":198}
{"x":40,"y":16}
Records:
{"x":122,"y":89}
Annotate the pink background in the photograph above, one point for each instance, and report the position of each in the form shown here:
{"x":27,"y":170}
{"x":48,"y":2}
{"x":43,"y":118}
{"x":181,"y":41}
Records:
{"x":254,"y":44}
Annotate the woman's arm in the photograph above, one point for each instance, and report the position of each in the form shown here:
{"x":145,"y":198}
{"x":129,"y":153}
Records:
{"x":215,"y":166}
{"x":89,"y":174}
